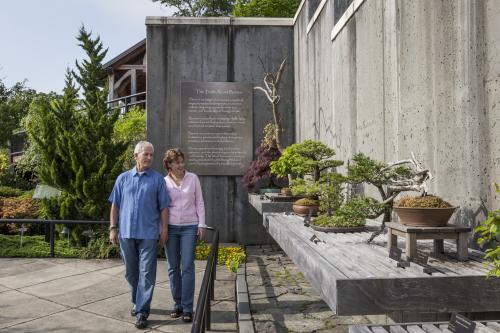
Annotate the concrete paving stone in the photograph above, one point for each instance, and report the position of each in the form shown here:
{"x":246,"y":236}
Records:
{"x":319,"y":310}
{"x":269,"y":327}
{"x":81,"y":289}
{"x":116,"y":271}
{"x":163,"y":282}
{"x":90,"y":265}
{"x":292,"y":320}
{"x":29,"y":278}
{"x":17,"y":307}
{"x":223,"y":316}
{"x":74,"y":321}
{"x":350,"y":320}
{"x":10,"y":267}
{"x":3,"y":288}
{"x":224,"y":290}
{"x":260,"y":291}
{"x":118,"y":307}
{"x":223,"y":273}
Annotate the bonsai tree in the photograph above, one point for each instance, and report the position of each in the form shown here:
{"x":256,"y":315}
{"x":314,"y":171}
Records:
{"x":309,"y":157}
{"x":264,"y":154}
{"x":352,"y":213}
{"x":389,"y":179}
{"x":328,"y":189}
{"x":270,"y":89}
{"x":488,"y":231}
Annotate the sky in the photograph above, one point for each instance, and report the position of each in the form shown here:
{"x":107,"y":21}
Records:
{"x":38,"y":37}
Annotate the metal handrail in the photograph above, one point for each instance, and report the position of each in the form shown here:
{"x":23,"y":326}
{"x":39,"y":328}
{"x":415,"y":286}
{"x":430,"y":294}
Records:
{"x":202,"y":317}
{"x":50,"y":224}
{"x":128,"y":101}
{"x":125,"y":97}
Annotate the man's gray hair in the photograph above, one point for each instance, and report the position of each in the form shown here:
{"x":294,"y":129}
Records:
{"x":141,"y":146}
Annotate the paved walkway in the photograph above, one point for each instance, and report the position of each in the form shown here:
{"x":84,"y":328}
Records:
{"x":71,"y":295}
{"x":281,"y":299}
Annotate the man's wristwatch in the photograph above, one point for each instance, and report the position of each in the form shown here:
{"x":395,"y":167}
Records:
{"x":112,"y":227}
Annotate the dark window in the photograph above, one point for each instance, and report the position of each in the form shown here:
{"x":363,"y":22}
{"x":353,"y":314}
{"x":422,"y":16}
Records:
{"x":339,"y":7}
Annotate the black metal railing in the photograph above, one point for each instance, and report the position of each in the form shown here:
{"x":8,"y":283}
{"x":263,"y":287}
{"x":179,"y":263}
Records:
{"x":49,"y":227}
{"x":202,"y":315}
{"x":126,"y":102}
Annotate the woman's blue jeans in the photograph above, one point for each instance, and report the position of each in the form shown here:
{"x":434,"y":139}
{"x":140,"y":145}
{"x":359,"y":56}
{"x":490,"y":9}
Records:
{"x":139,"y":256}
{"x":180,"y":250}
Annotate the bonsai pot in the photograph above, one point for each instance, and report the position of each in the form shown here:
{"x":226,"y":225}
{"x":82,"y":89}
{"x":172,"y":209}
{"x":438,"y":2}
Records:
{"x":286,"y":191}
{"x":424,"y":217}
{"x":304,"y":210}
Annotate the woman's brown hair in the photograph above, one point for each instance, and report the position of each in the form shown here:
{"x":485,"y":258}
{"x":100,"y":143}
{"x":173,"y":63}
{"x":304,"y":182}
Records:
{"x":172,"y":155}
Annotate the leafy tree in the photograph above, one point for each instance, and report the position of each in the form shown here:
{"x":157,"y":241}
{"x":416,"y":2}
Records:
{"x":130,"y":127}
{"x":14,"y":104}
{"x":265,"y":8}
{"x":200,"y":7}
{"x":489,"y":230}
{"x":259,"y":167}
{"x":75,"y":138}
{"x":264,"y":154}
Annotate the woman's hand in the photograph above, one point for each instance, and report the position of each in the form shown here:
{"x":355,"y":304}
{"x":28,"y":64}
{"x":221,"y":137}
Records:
{"x":201,"y":233}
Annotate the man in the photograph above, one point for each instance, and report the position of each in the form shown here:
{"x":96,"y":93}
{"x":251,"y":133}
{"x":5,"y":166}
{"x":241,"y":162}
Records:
{"x":139,"y":214}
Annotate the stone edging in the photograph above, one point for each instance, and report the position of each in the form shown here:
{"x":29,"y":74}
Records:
{"x":245,"y":322}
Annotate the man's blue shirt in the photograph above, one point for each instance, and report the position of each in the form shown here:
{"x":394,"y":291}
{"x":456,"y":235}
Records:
{"x":140,"y":200}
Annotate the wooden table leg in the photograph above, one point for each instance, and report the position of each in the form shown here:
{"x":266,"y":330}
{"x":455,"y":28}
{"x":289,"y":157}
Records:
{"x":411,"y":245}
{"x":438,"y":246}
{"x":392,"y":239}
{"x":462,"y":246}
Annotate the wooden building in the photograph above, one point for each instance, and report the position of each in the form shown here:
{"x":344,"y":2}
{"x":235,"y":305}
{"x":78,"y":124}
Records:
{"x":127,"y":77}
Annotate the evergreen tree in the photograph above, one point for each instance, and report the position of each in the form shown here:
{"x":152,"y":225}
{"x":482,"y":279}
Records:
{"x":79,"y":156}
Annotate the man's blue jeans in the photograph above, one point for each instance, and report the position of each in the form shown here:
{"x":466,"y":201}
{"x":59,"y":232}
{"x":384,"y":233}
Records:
{"x":179,"y":250}
{"x":139,"y":256}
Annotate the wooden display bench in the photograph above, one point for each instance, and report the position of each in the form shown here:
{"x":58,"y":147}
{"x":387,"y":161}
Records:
{"x":438,"y":234}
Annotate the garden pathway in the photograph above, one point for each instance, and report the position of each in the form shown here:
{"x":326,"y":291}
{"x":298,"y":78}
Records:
{"x":71,"y":295}
{"x":281,"y":299}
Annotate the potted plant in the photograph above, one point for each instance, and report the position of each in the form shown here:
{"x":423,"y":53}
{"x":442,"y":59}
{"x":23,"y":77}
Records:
{"x":423,"y":211}
{"x":389,"y":179}
{"x":259,"y":169}
{"x":305,"y":205}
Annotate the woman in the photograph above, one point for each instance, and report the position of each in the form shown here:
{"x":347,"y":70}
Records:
{"x":187,"y":221}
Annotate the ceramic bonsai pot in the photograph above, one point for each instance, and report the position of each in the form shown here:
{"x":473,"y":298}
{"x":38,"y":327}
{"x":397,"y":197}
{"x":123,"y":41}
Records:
{"x":424,"y":217}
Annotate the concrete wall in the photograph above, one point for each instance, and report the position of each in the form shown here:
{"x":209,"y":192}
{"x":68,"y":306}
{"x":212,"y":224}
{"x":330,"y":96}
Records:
{"x":403,"y":76}
{"x":217,"y":50}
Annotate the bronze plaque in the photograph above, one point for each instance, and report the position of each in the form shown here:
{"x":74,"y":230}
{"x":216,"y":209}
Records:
{"x":216,"y":127}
